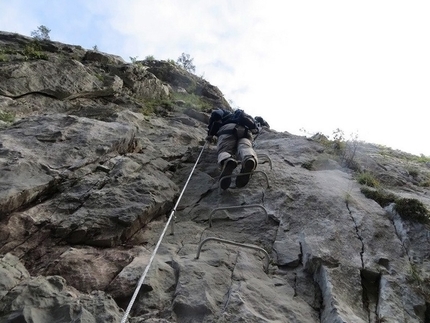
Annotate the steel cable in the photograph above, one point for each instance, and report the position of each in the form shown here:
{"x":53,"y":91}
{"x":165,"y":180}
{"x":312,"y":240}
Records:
{"x":142,"y":278}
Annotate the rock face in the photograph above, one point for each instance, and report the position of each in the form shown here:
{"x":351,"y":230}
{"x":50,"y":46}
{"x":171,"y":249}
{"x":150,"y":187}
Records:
{"x":94,"y":153}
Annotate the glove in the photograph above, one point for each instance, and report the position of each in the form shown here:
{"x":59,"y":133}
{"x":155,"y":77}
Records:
{"x":211,"y":139}
{"x":255,"y":131}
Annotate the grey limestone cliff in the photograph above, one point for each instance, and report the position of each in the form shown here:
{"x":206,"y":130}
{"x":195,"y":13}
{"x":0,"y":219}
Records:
{"x":94,"y":153}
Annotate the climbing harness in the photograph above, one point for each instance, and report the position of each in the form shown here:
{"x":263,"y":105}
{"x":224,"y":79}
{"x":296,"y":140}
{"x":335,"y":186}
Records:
{"x":142,"y":278}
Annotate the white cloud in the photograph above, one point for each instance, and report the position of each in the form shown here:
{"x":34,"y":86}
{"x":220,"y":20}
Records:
{"x":319,"y":65}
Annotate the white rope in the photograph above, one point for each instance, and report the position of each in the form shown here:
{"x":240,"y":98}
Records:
{"x":142,"y":278}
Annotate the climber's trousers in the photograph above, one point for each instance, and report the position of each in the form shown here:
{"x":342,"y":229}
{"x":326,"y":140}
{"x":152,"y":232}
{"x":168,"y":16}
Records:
{"x":229,"y":145}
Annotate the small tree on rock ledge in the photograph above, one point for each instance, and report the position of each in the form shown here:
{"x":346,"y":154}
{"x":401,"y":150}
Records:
{"x":186,"y":62}
{"x":42,"y":33}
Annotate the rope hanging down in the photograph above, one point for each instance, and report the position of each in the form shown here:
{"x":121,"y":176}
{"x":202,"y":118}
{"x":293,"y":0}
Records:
{"x":142,"y":278}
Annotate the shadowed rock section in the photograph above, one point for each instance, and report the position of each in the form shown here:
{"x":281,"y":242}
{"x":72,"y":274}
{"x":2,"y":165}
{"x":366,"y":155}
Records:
{"x":94,"y":153}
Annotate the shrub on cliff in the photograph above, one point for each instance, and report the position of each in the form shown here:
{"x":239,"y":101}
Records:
{"x":186,"y":62}
{"x":41,"y":33}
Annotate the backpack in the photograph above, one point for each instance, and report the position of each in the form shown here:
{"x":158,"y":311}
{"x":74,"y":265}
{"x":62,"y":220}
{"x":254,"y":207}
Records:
{"x":218,"y":115}
{"x":240,"y":117}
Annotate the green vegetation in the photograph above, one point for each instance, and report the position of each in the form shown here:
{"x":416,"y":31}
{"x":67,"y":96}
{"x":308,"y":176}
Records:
{"x":186,"y":62}
{"x":41,"y":33}
{"x":346,"y":149}
{"x":95,"y":48}
{"x":413,"y":172}
{"x":100,"y":77}
{"x":133,"y":60}
{"x":412,"y":209}
{"x":5,"y":52}
{"x":182,"y":100}
{"x":192,"y":101}
{"x":339,"y":146}
{"x":425,"y":183}
{"x":348,"y":197}
{"x":415,"y":274}
{"x":416,"y":278}
{"x":366,"y":178}
{"x":157,"y":106}
{"x":7,"y":116}
{"x":408,"y":209}
{"x":34,"y":51}
{"x":137,"y":64}
{"x":308,"y":165}
{"x":423,"y":178}
{"x":423,"y":159}
{"x":171,"y":61}
{"x":389,"y":152}
{"x":149,"y":58}
{"x":379,"y":196}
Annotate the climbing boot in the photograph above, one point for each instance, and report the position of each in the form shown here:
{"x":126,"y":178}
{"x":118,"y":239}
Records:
{"x":247,"y":167}
{"x":228,"y":167}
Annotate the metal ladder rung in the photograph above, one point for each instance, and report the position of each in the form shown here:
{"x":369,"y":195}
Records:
{"x":266,"y":255}
{"x":237,"y":207}
{"x":265,"y":156}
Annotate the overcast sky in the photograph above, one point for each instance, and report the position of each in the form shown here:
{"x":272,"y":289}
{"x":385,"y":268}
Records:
{"x":361,"y":66}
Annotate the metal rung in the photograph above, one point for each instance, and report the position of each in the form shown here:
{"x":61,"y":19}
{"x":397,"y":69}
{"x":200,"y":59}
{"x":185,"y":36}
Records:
{"x":242,"y":174}
{"x":265,"y":156}
{"x":237,"y":207}
{"x":266,"y":255}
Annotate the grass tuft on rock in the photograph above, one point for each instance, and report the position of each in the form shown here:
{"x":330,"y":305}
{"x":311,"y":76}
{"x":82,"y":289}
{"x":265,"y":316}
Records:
{"x":412,"y":209}
{"x":409,"y":209}
{"x":368,"y":179}
{"x":379,"y":196}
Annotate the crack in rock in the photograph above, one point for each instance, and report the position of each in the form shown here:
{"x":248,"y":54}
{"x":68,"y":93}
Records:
{"x":228,"y":294}
{"x":357,"y":231}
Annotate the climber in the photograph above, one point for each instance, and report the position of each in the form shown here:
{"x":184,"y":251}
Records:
{"x":234,"y":132}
